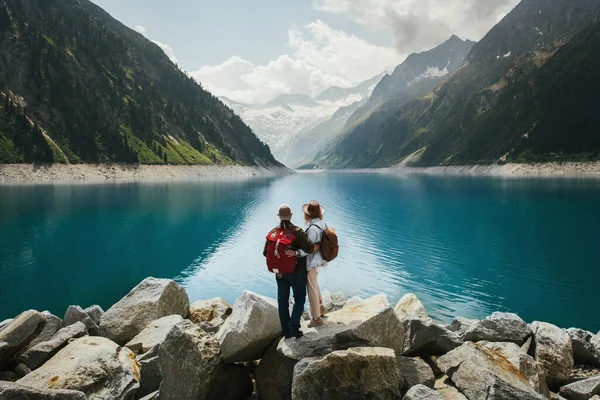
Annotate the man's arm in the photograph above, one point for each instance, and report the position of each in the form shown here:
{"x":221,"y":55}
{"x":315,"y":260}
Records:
{"x":265,"y":249}
{"x":303,"y":243}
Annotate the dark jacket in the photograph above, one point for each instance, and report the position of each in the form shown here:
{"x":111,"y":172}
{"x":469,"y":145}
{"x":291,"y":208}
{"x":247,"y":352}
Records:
{"x":302,"y":242}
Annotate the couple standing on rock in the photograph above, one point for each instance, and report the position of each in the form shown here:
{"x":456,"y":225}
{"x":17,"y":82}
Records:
{"x":295,"y":256}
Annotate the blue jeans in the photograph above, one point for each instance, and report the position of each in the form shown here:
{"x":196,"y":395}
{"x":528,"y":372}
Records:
{"x":297,"y":282}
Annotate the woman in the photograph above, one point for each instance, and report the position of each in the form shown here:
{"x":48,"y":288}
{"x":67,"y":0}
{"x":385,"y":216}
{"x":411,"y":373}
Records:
{"x":313,"y":216}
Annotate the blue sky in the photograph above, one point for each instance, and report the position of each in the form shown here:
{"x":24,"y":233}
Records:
{"x":253,"y":50}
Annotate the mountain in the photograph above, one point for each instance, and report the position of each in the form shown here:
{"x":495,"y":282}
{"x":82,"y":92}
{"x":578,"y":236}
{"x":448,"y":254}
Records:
{"x":288,"y":120}
{"x":415,"y":77}
{"x":79,"y":86}
{"x":523,"y":94}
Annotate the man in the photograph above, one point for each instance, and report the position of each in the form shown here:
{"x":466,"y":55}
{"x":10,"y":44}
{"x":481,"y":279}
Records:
{"x":296,"y":280}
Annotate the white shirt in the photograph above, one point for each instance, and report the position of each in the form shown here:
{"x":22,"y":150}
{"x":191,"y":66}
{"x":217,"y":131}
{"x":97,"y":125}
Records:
{"x":315,"y":234}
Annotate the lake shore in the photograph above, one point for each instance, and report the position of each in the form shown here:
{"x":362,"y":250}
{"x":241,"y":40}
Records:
{"x":23,"y":173}
{"x":510,"y":170}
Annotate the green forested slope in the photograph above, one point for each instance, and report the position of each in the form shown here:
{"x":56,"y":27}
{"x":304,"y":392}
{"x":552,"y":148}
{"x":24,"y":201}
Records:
{"x":79,"y":86}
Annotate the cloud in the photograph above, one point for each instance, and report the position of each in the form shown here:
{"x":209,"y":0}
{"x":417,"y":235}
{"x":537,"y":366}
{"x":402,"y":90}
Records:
{"x":167,"y":49}
{"x":320,"y":57}
{"x":140,"y":29}
{"x":419,"y":25}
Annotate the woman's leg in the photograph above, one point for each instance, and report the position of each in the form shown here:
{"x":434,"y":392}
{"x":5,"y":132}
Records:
{"x":314,"y":294}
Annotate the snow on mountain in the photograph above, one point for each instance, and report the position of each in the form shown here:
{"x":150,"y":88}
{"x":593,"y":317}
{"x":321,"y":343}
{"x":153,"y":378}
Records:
{"x":282,"y":119}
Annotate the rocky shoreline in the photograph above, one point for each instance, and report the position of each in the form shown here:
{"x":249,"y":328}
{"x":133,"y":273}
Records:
{"x":154,"y":344}
{"x":23,"y":173}
{"x":541,"y":170}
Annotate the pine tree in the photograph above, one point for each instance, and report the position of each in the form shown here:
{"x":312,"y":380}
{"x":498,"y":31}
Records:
{"x":165,"y":159}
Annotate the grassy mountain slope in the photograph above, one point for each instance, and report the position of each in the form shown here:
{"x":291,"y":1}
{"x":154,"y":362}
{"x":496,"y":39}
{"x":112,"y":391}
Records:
{"x":524,"y":94}
{"x":82,"y":84}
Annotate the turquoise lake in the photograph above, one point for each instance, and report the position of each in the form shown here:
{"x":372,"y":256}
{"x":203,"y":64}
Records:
{"x":465,"y":246}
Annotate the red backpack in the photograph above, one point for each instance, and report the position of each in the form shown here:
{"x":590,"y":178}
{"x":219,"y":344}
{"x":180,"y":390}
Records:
{"x":278,"y":241}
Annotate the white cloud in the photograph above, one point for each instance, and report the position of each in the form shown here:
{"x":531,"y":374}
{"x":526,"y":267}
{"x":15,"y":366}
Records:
{"x":321,"y":57}
{"x":140,"y":29}
{"x":167,"y":49}
{"x":419,"y":25}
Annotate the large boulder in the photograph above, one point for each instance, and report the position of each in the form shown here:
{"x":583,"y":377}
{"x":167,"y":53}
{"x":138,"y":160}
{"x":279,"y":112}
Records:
{"x":210,"y":314}
{"x":77,"y":314}
{"x":481,"y":373}
{"x":581,"y":390}
{"x":584,"y":351}
{"x":150,"y":300}
{"x":10,"y":376}
{"x":252,"y":326}
{"x":499,"y":327}
{"x":153,"y":334}
{"x":333,"y":301}
{"x":422,"y":392}
{"x":424,"y":337}
{"x":14,"y":391}
{"x":409,"y":306}
{"x":357,"y":373}
{"x":190,"y":363}
{"x":94,"y":365}
{"x":53,"y":325}
{"x":150,"y":377}
{"x":17,"y":334}
{"x":415,"y":372}
{"x":371,"y":321}
{"x":233,"y":383}
{"x":37,"y":355}
{"x":526,"y":364}
{"x":552,"y":348}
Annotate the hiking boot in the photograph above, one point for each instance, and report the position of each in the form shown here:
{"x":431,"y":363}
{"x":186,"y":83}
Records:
{"x":316,"y":322}
{"x":296,"y":335}
{"x":323,"y":310}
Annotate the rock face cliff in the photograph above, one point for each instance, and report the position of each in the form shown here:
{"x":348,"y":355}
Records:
{"x":524,"y":93}
{"x":79,"y":86}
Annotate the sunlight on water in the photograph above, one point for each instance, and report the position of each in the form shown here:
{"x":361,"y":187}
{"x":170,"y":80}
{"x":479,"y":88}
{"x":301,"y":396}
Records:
{"x":465,"y":246}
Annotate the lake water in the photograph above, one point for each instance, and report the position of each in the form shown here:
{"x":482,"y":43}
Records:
{"x":465,"y":246}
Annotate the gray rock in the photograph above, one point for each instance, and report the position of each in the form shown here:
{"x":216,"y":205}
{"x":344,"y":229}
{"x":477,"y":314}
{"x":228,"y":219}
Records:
{"x":95,"y":312}
{"x":53,"y":325}
{"x":446,"y":388}
{"x":94,"y":365}
{"x":371,"y":321}
{"x":424,"y":337}
{"x":252,"y":326}
{"x":210,"y":314}
{"x":151,"y":396}
{"x":190,"y":363}
{"x":234,"y":383}
{"x":410,"y":306}
{"x":481,"y":373}
{"x":37,"y":355}
{"x":19,"y":333}
{"x":150,"y":377}
{"x":415,"y":372}
{"x":22,"y":370}
{"x":9,"y":376}
{"x":581,"y":390}
{"x":150,"y":300}
{"x":274,"y":375}
{"x":422,"y":392}
{"x":553,"y":350}
{"x":526,"y":364}
{"x":499,"y":327}
{"x":5,"y":323}
{"x":584,"y":352}
{"x":153,"y":334}
{"x":76,"y":314}
{"x":357,"y":373}
{"x":333,"y":301}
{"x":14,"y":391}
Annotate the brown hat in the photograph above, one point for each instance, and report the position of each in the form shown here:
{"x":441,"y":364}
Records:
{"x":285,"y":212}
{"x":313,"y":209}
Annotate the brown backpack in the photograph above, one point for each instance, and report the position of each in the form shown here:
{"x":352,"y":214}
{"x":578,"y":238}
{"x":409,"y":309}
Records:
{"x":329,"y":247}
